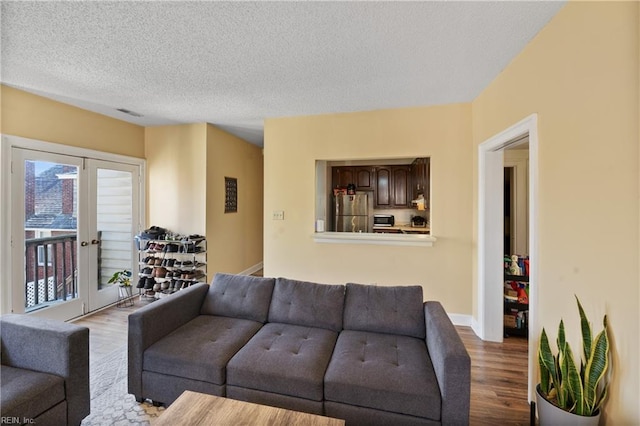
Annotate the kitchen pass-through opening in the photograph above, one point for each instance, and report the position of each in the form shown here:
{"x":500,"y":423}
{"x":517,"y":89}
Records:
{"x":387,"y":195}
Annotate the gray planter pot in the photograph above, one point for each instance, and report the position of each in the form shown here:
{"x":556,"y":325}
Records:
{"x":550,"y":415}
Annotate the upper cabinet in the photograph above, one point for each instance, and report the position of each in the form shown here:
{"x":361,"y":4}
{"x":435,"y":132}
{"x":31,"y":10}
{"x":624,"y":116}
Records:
{"x":420,"y":179}
{"x":382,"y":195}
{"x":341,"y":177}
{"x":365,"y":177}
{"x":361,"y":176}
{"x":393,"y":187}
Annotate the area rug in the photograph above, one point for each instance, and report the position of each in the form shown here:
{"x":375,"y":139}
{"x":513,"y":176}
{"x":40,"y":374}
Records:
{"x":110,"y":402}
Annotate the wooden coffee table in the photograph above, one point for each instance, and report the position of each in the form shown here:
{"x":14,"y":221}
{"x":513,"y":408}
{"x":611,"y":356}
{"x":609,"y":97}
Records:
{"x":193,"y":408}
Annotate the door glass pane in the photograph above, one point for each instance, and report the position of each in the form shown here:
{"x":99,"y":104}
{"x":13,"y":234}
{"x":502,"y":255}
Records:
{"x":50,"y":232}
{"x":115,"y":223}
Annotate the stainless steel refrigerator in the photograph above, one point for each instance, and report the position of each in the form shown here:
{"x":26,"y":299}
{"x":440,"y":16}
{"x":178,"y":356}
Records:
{"x":352,"y":213}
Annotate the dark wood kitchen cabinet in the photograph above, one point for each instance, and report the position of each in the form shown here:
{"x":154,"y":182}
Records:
{"x":420,"y":179}
{"x":341,"y":177}
{"x":401,"y":186}
{"x":393,"y":187}
{"x":382,"y":195}
{"x":363,"y":177}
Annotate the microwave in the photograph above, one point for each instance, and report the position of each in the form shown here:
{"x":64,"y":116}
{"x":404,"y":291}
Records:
{"x":383,"y":220}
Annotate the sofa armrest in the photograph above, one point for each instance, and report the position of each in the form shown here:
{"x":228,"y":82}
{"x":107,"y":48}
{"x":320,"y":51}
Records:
{"x":154,"y":321}
{"x":451,"y":363}
{"x":54,"y":347}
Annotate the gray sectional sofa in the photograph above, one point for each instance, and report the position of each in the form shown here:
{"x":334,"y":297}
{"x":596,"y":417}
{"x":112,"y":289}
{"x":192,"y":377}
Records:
{"x":367,"y":354}
{"x":45,"y":371}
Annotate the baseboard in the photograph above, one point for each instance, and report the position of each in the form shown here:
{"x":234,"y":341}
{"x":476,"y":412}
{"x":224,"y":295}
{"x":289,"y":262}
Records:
{"x":460,"y":319}
{"x":475,"y":326}
{"x":253,"y":269}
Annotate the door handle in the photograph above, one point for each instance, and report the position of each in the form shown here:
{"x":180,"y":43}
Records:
{"x":84,"y":244}
{"x":95,"y":241}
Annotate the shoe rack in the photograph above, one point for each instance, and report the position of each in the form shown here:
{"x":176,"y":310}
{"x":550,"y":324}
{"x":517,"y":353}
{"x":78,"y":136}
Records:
{"x":170,"y":265}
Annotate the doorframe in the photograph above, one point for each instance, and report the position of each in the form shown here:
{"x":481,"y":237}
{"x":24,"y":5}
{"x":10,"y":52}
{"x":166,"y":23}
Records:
{"x":10,"y":141}
{"x":489,"y":325}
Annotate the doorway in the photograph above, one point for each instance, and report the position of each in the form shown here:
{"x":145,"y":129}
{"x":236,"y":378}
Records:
{"x":516,"y":190}
{"x":509,"y":234}
{"x":73,"y":218}
{"x":489,"y":324}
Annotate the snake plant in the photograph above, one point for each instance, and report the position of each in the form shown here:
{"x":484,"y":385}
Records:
{"x":580,"y":392}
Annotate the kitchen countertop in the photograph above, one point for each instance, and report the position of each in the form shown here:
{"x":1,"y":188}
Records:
{"x":403,"y":228}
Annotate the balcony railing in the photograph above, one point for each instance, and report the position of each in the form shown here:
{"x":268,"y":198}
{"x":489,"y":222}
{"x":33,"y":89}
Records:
{"x":50,"y":270}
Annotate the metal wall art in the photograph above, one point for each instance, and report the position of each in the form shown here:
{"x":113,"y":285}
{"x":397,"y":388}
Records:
{"x":231,"y":195}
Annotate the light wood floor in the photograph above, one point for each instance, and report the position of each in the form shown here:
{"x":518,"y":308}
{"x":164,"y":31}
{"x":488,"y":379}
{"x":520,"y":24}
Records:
{"x":498,"y":370}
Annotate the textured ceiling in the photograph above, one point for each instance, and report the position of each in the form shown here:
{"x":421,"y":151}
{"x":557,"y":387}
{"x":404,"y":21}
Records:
{"x":233,"y":64}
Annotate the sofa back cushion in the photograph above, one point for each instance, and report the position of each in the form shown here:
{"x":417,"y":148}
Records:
{"x":308,"y":304}
{"x":392,"y":310}
{"x":239,"y":296}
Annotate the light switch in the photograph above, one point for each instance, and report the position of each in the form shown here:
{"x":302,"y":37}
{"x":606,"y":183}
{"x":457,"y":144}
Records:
{"x":278,"y":215}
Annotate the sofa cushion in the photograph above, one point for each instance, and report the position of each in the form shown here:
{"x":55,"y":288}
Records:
{"x":383,"y":371}
{"x":239,"y":296}
{"x":308,"y":304}
{"x":284,"y":359}
{"x":393,"y":310}
{"x":200,"y":349}
{"x":27,"y":393}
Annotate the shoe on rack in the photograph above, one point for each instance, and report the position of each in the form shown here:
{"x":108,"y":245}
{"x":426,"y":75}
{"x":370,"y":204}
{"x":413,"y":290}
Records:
{"x":141,"y":282}
{"x":196,"y":238}
{"x":149,"y":283}
{"x":160,"y":272}
{"x":171,"y":248}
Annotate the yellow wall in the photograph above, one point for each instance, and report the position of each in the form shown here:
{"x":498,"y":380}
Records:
{"x":580,"y":75}
{"x":176,"y":177}
{"x":186,"y":166}
{"x":292,"y":145}
{"x":234,"y":239}
{"x":35,"y":117}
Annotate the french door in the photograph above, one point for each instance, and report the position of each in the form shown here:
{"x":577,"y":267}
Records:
{"x":73,"y":221}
